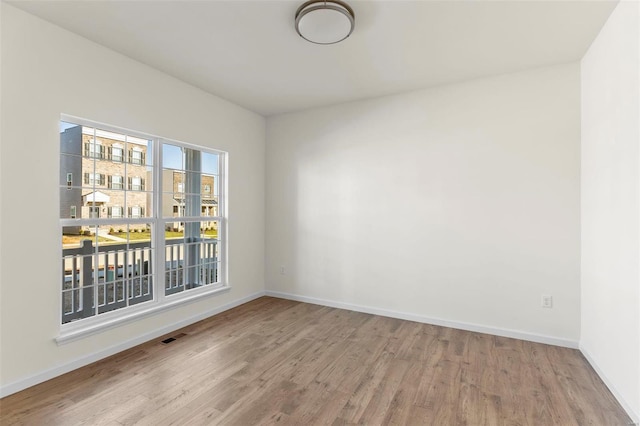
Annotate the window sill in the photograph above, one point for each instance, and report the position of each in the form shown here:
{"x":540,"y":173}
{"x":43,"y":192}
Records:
{"x":84,"y":328}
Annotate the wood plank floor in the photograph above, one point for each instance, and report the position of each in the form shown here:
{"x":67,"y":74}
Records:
{"x":274,"y":361}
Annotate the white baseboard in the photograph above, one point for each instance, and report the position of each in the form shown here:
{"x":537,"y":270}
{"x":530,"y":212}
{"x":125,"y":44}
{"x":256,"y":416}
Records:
{"x":88,"y":359}
{"x":532,"y":337}
{"x":634,"y":416}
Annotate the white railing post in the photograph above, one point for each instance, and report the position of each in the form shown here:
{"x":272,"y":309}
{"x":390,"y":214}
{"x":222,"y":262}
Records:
{"x":87,"y":279}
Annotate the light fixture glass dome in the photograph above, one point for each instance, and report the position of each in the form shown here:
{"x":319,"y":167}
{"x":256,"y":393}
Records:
{"x":325,"y":22}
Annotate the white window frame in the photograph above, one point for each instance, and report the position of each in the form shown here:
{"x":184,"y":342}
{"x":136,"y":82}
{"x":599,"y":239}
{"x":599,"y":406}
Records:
{"x":95,"y":149}
{"x":136,"y":183}
{"x":119,"y":184}
{"x":75,"y":330}
{"x":136,"y":156}
{"x":117,"y":158}
{"x":119,"y":214}
{"x":136,"y":212}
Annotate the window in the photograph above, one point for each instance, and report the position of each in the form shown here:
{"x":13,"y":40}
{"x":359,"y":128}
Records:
{"x":180,"y":187}
{"x":137,"y":247}
{"x":136,"y":183}
{"x":116,"y":152}
{"x":69,"y":180}
{"x":93,"y":179}
{"x":207,"y":190}
{"x":135,"y":211}
{"x":136,"y":156}
{"x":94,"y":149}
{"x":115,"y":182}
{"x":114,"y":211}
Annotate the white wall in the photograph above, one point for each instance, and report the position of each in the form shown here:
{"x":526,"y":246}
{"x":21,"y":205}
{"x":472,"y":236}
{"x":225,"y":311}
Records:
{"x":610,"y":336}
{"x":47,"y":71}
{"x":459,"y":203}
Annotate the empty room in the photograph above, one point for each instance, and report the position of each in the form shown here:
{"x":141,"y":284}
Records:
{"x":320,"y":213}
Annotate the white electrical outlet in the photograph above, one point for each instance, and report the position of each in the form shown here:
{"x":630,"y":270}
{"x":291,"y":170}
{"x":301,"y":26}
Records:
{"x":282,"y":270}
{"x":547,"y":301}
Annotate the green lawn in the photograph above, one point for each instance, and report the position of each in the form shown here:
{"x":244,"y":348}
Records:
{"x":146,"y":235}
{"x":76,"y":240}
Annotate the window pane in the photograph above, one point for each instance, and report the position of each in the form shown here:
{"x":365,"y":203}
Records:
{"x":78,"y":272}
{"x":172,"y":157}
{"x":70,"y":167}
{"x":178,"y":201}
{"x":124,"y":260}
{"x":210,"y":163}
{"x":193,"y":260}
{"x":70,"y":198}
{"x":139,"y":204}
{"x":70,"y":138}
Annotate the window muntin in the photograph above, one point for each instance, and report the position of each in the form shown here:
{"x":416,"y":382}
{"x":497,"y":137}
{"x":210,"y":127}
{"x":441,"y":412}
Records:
{"x":119,"y":224}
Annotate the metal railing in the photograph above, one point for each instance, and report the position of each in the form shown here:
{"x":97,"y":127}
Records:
{"x":120,"y":275}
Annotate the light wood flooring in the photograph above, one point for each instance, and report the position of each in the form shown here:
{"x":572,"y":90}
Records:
{"x":274,"y":361}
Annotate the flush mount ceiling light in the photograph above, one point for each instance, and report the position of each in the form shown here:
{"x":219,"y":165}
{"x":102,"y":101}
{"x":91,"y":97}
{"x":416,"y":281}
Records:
{"x":325,"y":21}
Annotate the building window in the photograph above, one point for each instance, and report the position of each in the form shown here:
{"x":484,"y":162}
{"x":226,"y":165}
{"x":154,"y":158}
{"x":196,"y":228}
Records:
{"x":141,"y":258}
{"x":136,"y":156}
{"x":180,"y":187}
{"x":207,"y":190}
{"x":94,"y":179}
{"x":114,"y":211}
{"x":115,"y":182}
{"x":116,"y":153}
{"x":135,"y":211}
{"x":94,"y":149}
{"x":136,"y":183}
{"x":69,"y":180}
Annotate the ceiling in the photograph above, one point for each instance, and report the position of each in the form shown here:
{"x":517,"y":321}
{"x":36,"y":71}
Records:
{"x":249,"y":53}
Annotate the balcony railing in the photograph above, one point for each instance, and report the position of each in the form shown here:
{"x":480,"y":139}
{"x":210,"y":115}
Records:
{"x":121,"y":275}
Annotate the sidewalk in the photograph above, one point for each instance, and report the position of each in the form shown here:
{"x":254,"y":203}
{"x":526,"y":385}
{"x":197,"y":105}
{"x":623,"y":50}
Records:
{"x":105,"y":234}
